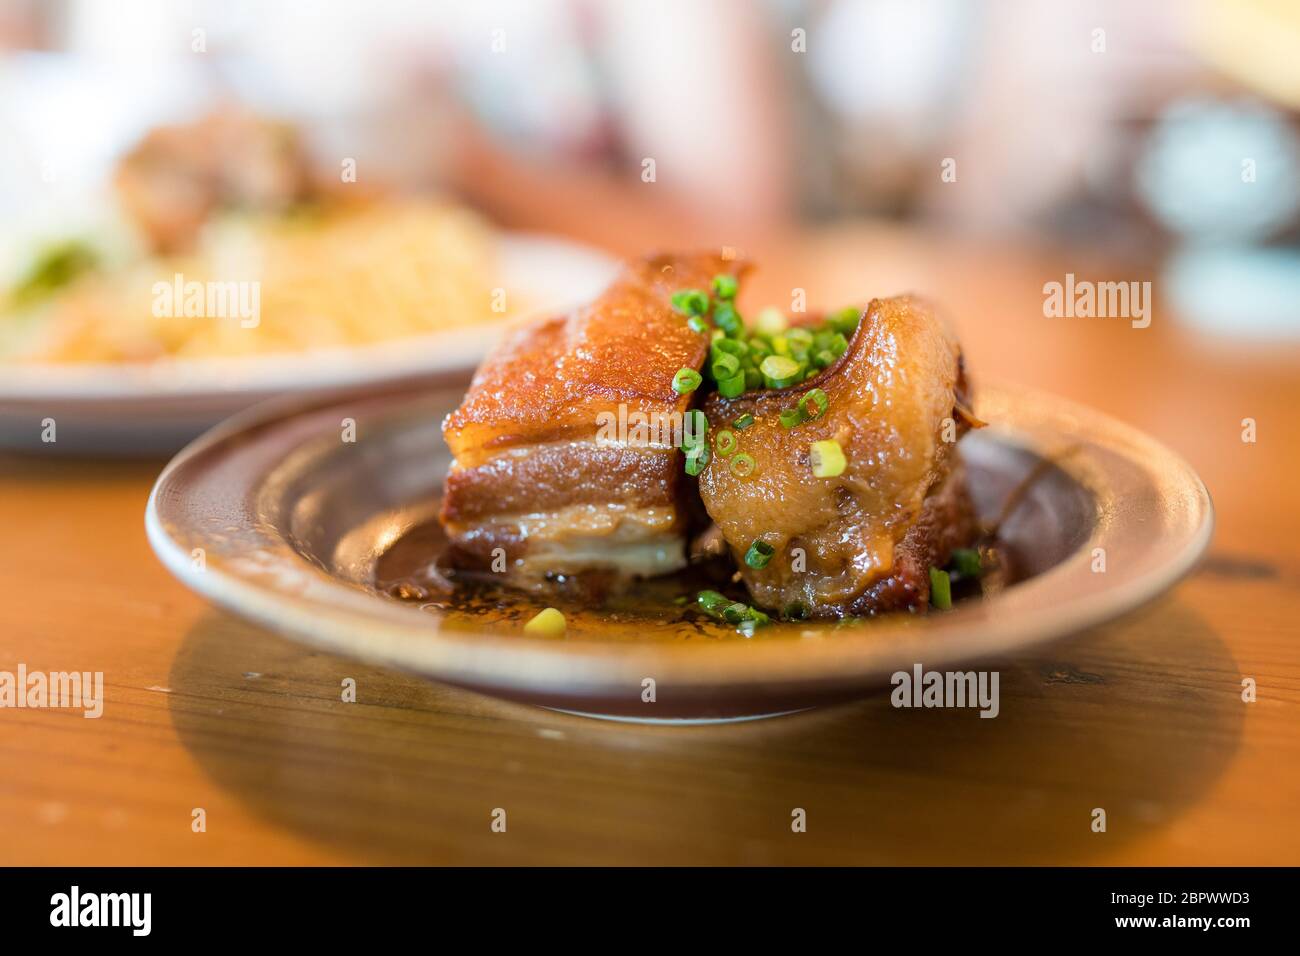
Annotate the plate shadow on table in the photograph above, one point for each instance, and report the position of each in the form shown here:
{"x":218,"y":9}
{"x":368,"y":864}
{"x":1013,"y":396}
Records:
{"x":1139,"y":718}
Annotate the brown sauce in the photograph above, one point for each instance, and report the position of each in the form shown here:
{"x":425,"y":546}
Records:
{"x":414,"y":570}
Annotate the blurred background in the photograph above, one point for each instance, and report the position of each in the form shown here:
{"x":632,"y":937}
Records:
{"x":384,"y":168}
{"x":925,"y":141}
{"x":1162,"y":127}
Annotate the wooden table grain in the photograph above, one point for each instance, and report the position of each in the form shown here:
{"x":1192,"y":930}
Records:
{"x":1144,"y":718}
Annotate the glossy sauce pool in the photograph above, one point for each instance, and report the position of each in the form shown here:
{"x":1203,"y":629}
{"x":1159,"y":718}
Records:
{"x":655,"y":609}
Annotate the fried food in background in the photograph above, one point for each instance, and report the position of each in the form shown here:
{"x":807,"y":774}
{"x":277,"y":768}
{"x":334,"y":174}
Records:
{"x":232,"y":199}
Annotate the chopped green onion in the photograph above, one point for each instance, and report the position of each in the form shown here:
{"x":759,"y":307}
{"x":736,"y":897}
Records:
{"x":736,"y":347}
{"x":771,"y":321}
{"x":697,"y":459}
{"x":725,"y":365}
{"x":743,"y":422}
{"x":724,"y":286}
{"x":695,"y":429}
{"x":778,"y":368}
{"x":799,"y":339}
{"x":686,"y":381}
{"x":724,"y":443}
{"x":547,"y":623}
{"x":791,"y":417}
{"x":940,"y":589}
{"x":732,"y":387}
{"x":966,"y":562}
{"x":795,"y":611}
{"x":827,"y":458}
{"x":728,"y":319}
{"x":753,"y":378}
{"x":845,"y":320}
{"x":742,"y":465}
{"x":697,"y":324}
{"x":735,"y":613}
{"x":759,"y":553}
{"x":711,"y":602}
{"x":690,"y":302}
{"x":814,"y":404}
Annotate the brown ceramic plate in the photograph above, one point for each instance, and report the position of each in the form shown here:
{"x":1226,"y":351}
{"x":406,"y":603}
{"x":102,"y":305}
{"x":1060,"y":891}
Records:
{"x":275,"y":517}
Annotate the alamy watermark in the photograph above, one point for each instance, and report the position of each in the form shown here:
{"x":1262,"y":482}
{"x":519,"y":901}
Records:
{"x":1080,"y":298}
{"x":640,"y":429}
{"x":75,"y":908}
{"x":82,"y":690}
{"x":922,"y":688}
{"x":232,"y":299}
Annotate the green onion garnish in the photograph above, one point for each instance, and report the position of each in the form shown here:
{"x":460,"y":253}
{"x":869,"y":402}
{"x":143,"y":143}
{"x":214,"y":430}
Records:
{"x":695,"y":429}
{"x":771,"y":321}
{"x":711,"y":602}
{"x":735,"y":613}
{"x":791,"y":417}
{"x":721,"y":608}
{"x":690,"y":302}
{"x":827,"y":458}
{"x":966,"y":562}
{"x":795,"y":611}
{"x":725,"y":365}
{"x":779,"y":371}
{"x":724,"y":286}
{"x":940,"y":589}
{"x":686,"y":381}
{"x":845,"y":320}
{"x":697,"y":324}
{"x":813,"y":405}
{"x":728,"y":319}
{"x":743,"y":422}
{"x":724,"y":443}
{"x":799,"y":339}
{"x":759,"y":553}
{"x":697,"y":459}
{"x":735,"y":347}
{"x":742,"y":465}
{"x":732,"y":387}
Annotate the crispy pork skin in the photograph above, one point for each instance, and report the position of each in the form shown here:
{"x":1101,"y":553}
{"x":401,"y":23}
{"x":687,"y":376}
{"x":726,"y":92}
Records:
{"x":863,"y":541}
{"x":538,"y":469}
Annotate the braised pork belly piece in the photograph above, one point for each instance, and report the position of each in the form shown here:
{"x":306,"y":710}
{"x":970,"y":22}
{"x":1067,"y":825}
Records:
{"x":860,"y":490}
{"x":553,"y":462}
{"x":819,"y":458}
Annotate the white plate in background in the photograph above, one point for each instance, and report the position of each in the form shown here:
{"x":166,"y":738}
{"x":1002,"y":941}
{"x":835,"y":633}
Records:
{"x":157,"y":407}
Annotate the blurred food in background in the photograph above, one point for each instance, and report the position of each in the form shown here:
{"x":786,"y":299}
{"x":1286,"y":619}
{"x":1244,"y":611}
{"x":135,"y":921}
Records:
{"x":1101,"y":124}
{"x":230,"y":204}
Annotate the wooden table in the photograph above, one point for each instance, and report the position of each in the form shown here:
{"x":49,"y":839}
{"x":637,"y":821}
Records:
{"x":1144,"y":718}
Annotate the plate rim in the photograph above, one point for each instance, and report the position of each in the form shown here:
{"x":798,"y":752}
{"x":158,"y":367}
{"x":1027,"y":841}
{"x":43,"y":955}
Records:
{"x":361,"y":625}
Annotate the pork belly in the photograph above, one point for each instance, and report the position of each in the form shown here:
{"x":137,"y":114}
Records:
{"x":538,"y":470}
{"x":863,"y":541}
